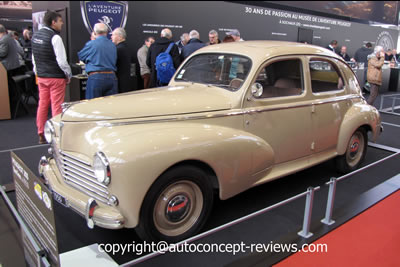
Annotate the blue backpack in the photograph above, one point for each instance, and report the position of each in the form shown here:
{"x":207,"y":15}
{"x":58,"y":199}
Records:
{"x":165,"y":66}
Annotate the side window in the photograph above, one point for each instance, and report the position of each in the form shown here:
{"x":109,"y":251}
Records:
{"x":281,"y":78}
{"x":325,"y":76}
{"x":350,"y":77}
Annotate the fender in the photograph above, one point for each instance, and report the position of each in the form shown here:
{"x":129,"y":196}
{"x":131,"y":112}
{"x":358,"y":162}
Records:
{"x":234,"y":155}
{"x":360,"y":114}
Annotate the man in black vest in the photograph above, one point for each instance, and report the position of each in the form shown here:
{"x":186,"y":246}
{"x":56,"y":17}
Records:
{"x":51,"y":67}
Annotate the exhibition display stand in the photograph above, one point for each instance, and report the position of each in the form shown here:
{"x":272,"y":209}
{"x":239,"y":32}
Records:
{"x":76,"y":89}
{"x":5,"y":112}
{"x":386,"y":71}
{"x":36,"y":195}
{"x":394,"y":82}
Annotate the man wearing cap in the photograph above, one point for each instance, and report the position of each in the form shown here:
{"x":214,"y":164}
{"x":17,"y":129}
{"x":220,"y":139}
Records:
{"x":235,"y":34}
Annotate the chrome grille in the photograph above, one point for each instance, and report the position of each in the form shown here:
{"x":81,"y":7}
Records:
{"x":80,"y":175}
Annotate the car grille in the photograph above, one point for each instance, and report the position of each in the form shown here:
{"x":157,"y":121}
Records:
{"x":80,"y":175}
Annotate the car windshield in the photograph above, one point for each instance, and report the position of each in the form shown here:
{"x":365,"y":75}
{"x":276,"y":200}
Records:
{"x":227,"y":71}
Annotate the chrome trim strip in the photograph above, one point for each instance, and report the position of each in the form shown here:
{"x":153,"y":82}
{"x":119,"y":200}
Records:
{"x":98,"y":191}
{"x":90,"y":191}
{"x":74,"y":158}
{"x":232,"y":113}
{"x":79,"y":175}
{"x":94,"y":183}
{"x":91,"y":204}
{"x":109,"y":224}
{"x":106,"y":223}
{"x":88,"y":173}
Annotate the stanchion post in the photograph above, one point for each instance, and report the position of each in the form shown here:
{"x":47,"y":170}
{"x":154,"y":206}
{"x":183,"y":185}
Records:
{"x":307,"y":214}
{"x":393,"y":103}
{"x":45,"y":262}
{"x":329,"y":204}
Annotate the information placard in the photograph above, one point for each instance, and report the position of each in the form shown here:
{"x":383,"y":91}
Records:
{"x":35,"y":205}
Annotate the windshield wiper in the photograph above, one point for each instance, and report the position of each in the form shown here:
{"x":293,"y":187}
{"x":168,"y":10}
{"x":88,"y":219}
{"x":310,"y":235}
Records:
{"x":217,"y":84}
{"x":184,"y":80}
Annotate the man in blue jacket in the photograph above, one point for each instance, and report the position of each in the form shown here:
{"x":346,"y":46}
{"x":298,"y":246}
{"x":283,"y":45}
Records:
{"x":100,"y":57}
{"x":193,"y":44}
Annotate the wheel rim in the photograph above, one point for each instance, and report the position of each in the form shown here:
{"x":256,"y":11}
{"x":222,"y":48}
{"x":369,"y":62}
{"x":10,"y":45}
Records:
{"x":178,"y":208}
{"x":355,"y":149}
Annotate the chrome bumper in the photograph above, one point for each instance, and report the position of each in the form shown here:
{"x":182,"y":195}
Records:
{"x":95,"y":214}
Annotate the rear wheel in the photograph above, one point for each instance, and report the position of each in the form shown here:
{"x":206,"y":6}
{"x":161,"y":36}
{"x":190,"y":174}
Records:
{"x":176,"y":206}
{"x":355,"y":152}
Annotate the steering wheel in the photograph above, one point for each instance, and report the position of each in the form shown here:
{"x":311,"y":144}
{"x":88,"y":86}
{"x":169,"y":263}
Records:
{"x":235,"y":83}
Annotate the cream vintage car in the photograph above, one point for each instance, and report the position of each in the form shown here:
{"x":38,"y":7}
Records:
{"x":234,"y":116}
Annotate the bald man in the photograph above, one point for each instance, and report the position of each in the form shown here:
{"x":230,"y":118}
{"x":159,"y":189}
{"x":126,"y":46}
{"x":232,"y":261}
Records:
{"x":100,"y":57}
{"x":161,"y":45}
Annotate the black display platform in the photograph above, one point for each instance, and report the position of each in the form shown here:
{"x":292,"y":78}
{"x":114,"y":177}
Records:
{"x":278,"y":225}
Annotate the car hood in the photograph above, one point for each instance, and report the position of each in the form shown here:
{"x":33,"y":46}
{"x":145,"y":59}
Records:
{"x":163,"y":101}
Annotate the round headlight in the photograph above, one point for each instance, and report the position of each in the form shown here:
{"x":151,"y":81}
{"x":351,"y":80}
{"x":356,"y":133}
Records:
{"x":101,"y":168}
{"x":49,"y":131}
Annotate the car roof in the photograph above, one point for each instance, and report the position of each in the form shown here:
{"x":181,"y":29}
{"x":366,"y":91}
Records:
{"x":255,"y":49}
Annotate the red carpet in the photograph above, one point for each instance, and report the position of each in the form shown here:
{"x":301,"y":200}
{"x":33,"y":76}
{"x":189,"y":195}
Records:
{"x":370,"y":239}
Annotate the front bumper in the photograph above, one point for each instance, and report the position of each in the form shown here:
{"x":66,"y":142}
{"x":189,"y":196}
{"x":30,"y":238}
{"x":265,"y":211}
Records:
{"x":95,"y":214}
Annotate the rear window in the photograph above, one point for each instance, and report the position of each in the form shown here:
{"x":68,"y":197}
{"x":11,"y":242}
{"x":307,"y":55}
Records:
{"x":281,"y":78}
{"x":325,"y":76}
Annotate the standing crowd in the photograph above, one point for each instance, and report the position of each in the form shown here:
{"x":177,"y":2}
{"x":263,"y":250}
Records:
{"x":373,"y":61}
{"x":108,"y":62}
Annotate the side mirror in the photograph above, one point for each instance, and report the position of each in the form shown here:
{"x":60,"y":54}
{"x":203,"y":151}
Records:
{"x":257,"y":90}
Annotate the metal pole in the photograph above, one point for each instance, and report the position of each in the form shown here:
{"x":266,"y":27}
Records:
{"x":307,"y":214}
{"x":45,"y":262}
{"x":329,"y":205}
{"x":382,"y":97}
{"x":393,"y":102}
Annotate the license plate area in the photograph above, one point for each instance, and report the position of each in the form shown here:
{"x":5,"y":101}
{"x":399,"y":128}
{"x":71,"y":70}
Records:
{"x":60,"y":199}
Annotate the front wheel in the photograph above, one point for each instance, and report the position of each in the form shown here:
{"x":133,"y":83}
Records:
{"x":176,"y":206}
{"x":355,"y":152}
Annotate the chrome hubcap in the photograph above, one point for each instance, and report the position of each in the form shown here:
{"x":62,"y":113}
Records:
{"x":355,"y":149}
{"x":177,"y":208}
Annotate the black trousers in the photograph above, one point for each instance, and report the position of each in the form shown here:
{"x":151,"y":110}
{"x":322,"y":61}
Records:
{"x":374,"y":91}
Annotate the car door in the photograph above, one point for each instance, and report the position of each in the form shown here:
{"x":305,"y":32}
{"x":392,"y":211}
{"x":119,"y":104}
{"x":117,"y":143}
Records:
{"x":281,"y":115}
{"x":330,"y":101}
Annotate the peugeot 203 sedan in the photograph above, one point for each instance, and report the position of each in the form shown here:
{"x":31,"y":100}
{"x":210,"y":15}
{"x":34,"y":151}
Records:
{"x":234,"y":116}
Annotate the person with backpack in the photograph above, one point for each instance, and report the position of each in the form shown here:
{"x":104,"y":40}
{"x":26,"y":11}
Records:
{"x":166,"y":53}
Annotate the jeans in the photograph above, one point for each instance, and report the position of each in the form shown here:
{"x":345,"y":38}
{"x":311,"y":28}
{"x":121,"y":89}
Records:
{"x":101,"y":84}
